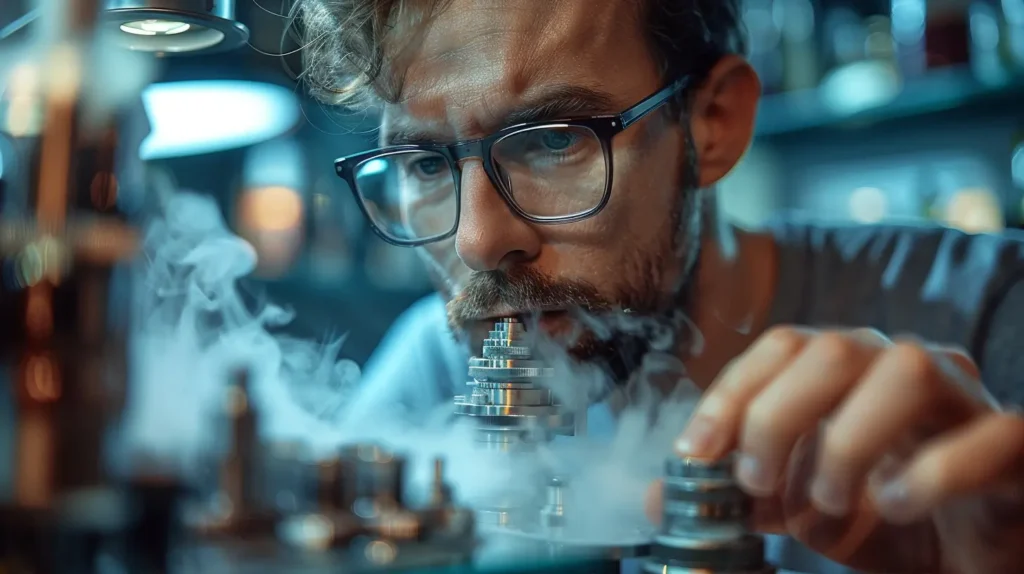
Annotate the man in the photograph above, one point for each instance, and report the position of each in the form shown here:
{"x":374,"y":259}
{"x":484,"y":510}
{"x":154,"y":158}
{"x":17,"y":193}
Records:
{"x":502,"y":122}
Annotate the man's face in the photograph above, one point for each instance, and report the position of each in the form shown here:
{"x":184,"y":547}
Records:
{"x":481,"y":64}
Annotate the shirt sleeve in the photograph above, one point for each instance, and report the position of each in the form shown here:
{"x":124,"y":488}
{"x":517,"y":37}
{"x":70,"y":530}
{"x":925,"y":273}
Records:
{"x":1001,"y":353}
{"x":413,"y":369}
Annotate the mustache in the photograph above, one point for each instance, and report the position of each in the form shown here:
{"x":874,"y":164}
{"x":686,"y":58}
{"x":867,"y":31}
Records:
{"x":520,"y":289}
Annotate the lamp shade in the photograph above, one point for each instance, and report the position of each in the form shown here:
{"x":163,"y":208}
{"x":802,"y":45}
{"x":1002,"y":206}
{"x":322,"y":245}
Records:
{"x":166,"y":27}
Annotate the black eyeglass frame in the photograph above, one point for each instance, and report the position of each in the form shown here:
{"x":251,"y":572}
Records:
{"x":605,"y":127}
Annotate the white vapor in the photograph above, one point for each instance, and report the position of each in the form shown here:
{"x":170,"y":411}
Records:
{"x":193,"y":328}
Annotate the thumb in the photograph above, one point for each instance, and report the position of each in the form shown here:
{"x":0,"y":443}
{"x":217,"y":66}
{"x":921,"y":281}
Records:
{"x":652,"y":502}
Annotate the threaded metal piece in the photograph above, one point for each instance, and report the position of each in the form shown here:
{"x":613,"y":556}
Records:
{"x":705,"y":522}
{"x":509,"y":399}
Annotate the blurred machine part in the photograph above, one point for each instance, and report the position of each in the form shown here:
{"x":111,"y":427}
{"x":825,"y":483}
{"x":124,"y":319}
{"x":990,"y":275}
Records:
{"x":275,"y":508}
{"x":509,"y":400}
{"x":364,"y":516}
{"x":705,"y":523}
{"x":174,"y":26}
{"x":63,"y":348}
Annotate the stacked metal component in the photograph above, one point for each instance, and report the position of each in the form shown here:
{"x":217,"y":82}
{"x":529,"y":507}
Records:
{"x":514,"y":410}
{"x":705,"y":522}
{"x":511,"y":402}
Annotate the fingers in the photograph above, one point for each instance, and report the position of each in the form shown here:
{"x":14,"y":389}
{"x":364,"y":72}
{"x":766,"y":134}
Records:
{"x":713,"y":430}
{"x":953,"y":465}
{"x":902,"y":391}
{"x":652,"y":502}
{"x":794,"y":402}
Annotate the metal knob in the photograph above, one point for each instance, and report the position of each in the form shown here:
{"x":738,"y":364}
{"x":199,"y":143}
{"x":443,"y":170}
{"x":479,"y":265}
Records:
{"x":705,"y":522}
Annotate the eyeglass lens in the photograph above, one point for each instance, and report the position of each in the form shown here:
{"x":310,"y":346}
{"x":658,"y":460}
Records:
{"x":548,"y":172}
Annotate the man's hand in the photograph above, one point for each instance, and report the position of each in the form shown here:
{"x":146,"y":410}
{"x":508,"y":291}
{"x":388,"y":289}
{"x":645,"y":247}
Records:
{"x":881,"y":455}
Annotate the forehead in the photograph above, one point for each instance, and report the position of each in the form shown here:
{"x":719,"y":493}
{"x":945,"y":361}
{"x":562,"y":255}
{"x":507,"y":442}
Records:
{"x":478,"y":59}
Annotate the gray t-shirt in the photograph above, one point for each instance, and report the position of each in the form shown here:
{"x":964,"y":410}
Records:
{"x":939,"y":284}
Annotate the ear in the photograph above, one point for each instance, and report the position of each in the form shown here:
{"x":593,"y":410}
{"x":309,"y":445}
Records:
{"x":722,"y":117}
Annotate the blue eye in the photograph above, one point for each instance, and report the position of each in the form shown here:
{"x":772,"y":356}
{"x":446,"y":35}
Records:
{"x":429,"y":166}
{"x":558,"y":140}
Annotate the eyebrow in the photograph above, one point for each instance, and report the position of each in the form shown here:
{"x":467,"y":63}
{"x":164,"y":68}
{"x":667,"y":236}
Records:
{"x":558,"y":102}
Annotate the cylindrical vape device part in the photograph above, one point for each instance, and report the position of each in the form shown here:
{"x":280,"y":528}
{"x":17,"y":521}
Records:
{"x":510,"y":400}
{"x":705,"y":522}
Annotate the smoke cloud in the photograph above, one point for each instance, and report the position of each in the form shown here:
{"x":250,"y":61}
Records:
{"x":194,"y":326}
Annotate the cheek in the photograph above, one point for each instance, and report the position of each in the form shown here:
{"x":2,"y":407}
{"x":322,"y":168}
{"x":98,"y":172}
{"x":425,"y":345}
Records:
{"x":645,"y":192}
{"x":444,"y":264}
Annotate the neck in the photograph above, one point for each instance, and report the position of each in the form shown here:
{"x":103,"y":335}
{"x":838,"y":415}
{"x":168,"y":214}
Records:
{"x":732,"y":297}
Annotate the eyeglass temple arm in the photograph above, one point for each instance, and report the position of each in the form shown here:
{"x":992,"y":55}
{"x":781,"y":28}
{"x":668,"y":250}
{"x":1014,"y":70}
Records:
{"x":652,"y":102}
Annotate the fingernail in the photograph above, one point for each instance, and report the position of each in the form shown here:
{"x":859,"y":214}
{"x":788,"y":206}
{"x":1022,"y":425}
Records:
{"x":896,"y":502}
{"x":755,"y":476}
{"x":699,"y":439}
{"x":831,"y":496}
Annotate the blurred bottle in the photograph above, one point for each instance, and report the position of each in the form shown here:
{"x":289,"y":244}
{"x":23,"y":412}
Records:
{"x":799,"y":24}
{"x":1013,"y":44}
{"x":765,"y":44}
{"x":986,"y":27}
{"x":845,"y":36}
{"x":947,"y":33}
{"x":908,"y":31}
{"x":861,"y":60}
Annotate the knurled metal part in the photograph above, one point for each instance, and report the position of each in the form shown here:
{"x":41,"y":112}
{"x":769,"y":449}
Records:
{"x":508,"y":390}
{"x":705,"y":522}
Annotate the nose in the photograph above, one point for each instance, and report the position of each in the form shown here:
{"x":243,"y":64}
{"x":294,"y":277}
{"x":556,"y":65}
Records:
{"x":490,"y":236}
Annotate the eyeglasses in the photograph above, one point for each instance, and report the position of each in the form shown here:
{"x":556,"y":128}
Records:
{"x":548,"y":173}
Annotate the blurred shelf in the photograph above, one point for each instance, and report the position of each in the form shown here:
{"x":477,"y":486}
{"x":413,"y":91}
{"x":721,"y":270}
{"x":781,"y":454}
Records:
{"x":793,"y":113}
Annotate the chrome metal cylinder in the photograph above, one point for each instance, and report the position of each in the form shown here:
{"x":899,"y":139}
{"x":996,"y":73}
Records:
{"x":705,"y":522}
{"x":552,"y":514}
{"x":509,"y":399}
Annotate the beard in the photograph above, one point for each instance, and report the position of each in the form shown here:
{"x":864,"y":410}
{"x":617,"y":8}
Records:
{"x":613,"y":332}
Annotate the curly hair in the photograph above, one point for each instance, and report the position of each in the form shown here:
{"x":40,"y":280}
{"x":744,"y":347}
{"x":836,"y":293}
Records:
{"x":349,"y":43}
